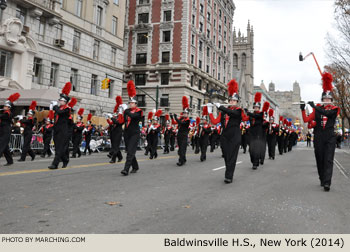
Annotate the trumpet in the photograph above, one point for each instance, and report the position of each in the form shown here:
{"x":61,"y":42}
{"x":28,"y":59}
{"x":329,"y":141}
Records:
{"x":300,"y":103}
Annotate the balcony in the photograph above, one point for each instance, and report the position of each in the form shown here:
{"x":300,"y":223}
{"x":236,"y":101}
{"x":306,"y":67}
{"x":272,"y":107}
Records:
{"x":50,"y":8}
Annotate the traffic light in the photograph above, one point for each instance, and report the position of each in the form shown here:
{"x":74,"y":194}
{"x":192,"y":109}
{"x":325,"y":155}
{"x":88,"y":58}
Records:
{"x":105,"y":83}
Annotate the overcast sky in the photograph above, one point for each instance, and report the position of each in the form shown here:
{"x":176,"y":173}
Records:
{"x":282,"y":29}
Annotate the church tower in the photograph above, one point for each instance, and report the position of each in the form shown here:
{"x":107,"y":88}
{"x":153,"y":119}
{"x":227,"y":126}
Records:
{"x":243,"y":63}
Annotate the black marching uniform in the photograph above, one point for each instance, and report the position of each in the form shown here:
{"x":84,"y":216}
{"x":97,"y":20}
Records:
{"x":172,"y":139}
{"x":204,"y":131}
{"x":280,"y":139}
{"x":132,"y":118}
{"x":116,"y":133}
{"x":87,"y":133}
{"x":60,"y":136}
{"x":257,"y":145}
{"x":153,"y":134}
{"x":77,"y":138}
{"x":272,"y":133}
{"x":182,"y":137}
{"x":47,"y":131}
{"x":5,"y":134}
{"x":167,"y":132}
{"x":245,"y":137}
{"x":28,"y":125}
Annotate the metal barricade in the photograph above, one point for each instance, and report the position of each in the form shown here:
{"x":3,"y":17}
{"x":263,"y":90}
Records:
{"x":16,"y":142}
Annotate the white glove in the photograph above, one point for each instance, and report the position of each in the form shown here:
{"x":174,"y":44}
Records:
{"x":20,"y":117}
{"x":54,"y":103}
{"x":217,"y":104}
{"x":51,"y":106}
{"x":124,"y":106}
{"x":109,"y":115}
{"x":154,"y":111}
{"x":210,"y":108}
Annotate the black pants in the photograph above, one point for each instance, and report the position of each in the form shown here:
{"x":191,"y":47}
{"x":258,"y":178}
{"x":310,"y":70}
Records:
{"x":285,"y":144}
{"x":87,"y":145}
{"x":172,"y":143}
{"x":230,"y":148}
{"x":308,"y":144}
{"x":280,"y":142}
{"x":166,"y":144}
{"x":203,"y":143}
{"x":115,"y":151}
{"x":196,"y":143}
{"x":60,"y":138}
{"x":153,"y":145}
{"x":4,"y":145}
{"x":244,"y":143}
{"x":26,"y":147}
{"x":182,"y":142}
{"x":47,"y":150}
{"x":257,"y":149}
{"x":271,"y":144}
{"x":131,"y":143}
{"x":324,"y":153}
{"x":213,"y":139}
{"x":148,"y":147}
{"x":76,"y":145}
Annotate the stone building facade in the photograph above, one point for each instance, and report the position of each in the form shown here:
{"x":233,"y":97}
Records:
{"x":45,"y":43}
{"x":286,"y":99}
{"x":182,"y":46}
{"x":265,"y":96}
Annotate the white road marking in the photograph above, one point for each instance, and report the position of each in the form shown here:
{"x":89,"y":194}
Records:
{"x":340,"y":168}
{"x":222,"y":167}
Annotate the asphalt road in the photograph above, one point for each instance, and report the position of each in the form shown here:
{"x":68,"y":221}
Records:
{"x":91,"y":196}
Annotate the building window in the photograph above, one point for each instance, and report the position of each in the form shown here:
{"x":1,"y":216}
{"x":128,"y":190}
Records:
{"x":54,"y":74}
{"x":99,"y":16}
{"x":142,"y":38}
{"x":200,"y":84}
{"x":193,"y":19}
{"x":41,"y":28}
{"x":207,"y":68}
{"x":143,"y":1}
{"x":21,"y":14}
{"x":96,"y":50}
{"x":219,"y":28}
{"x":200,"y":27}
{"x":199,"y":105}
{"x":6,"y":59}
{"x":219,"y":61}
{"x":37,"y":69}
{"x":219,"y":44}
{"x":192,"y":59}
{"x":218,"y":76}
{"x":244,"y":61}
{"x":59,"y":30}
{"x":167,"y":16}
{"x":208,"y":16}
{"x":140,"y":79}
{"x":208,"y":33}
{"x":93,"y":89}
{"x":201,"y":8}
{"x":114,"y":25}
{"x":78,"y":7}
{"x":164,"y":78}
{"x":200,"y":64}
{"x":166,"y":36}
{"x":143,"y":18}
{"x":116,"y":2}
{"x":192,"y":81}
{"x":192,"y":39}
{"x":76,"y":41}
{"x":224,"y":49}
{"x":164,"y":100}
{"x":214,"y":23}
{"x":110,"y":89}
{"x":141,"y":58}
{"x":200,"y":45}
{"x":74,"y":79}
{"x":225,"y":35}
{"x":113,"y":56}
{"x":141,"y":100}
{"x":220,"y":13}
{"x":165,"y":57}
{"x":191,"y":101}
{"x":207,"y":88}
{"x":208,"y":52}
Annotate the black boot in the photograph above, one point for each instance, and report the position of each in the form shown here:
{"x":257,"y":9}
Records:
{"x":124,"y":172}
{"x":64,"y":164}
{"x":327,"y":187}
{"x":228,"y":181}
{"x":52,"y":166}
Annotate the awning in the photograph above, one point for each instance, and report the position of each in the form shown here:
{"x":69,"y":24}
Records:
{"x":43,"y":97}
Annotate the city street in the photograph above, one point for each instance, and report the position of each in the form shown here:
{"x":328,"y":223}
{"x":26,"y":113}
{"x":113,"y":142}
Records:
{"x":91,"y":196}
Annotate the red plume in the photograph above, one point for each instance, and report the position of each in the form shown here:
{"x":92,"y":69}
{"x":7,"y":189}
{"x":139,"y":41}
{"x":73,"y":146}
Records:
{"x":185,"y":102}
{"x":205,"y":111}
{"x":115,"y":108}
{"x":327,"y":79}
{"x":131,"y":88}
{"x":89,"y":117}
{"x":198,"y":120}
{"x":271,"y":112}
{"x":166,"y":117}
{"x":257,"y":97}
{"x":67,"y":88}
{"x":266,"y":106}
{"x":32,"y":105}
{"x":281,"y":118}
{"x":150,"y":115}
{"x":158,"y":113}
{"x":51,"y":115}
{"x":232,"y":87}
{"x":285,"y":122}
{"x":72,"y":102}
{"x":118,"y":100}
{"x":81,"y":111}
{"x":14,"y":97}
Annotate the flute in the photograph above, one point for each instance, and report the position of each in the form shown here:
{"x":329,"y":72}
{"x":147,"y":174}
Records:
{"x":299,"y":103}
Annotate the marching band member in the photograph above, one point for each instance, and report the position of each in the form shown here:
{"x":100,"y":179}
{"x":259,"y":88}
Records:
{"x":78,"y":133}
{"x":244,"y":141}
{"x":183,"y":130}
{"x":87,"y":132}
{"x":153,"y":133}
{"x":204,"y":131}
{"x":28,"y":125}
{"x":167,"y":132}
{"x":71,"y":104}
{"x":132,"y":117}
{"x":149,"y":123}
{"x":47,"y":131}
{"x":324,"y":137}
{"x":257,"y":139}
{"x":230,"y":119}
{"x":116,"y":131}
{"x":280,"y":137}
{"x":286,"y":135}
{"x":60,"y":136}
{"x":173,"y":138}
{"x":272,"y":135}
{"x":195,"y":136}
{"x":6,"y":116}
